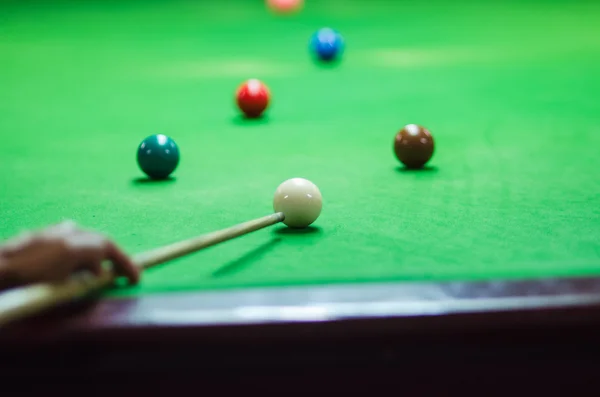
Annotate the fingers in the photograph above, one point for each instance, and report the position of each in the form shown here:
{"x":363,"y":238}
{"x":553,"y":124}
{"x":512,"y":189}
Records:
{"x":57,"y":251}
{"x":91,"y":249}
{"x":85,"y":251}
{"x":123,"y":264}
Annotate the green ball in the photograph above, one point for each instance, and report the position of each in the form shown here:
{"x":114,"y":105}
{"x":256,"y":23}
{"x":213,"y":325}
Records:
{"x":158,"y":156}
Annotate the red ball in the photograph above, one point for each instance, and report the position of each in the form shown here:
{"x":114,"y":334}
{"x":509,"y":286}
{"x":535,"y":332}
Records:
{"x":253,"y":98}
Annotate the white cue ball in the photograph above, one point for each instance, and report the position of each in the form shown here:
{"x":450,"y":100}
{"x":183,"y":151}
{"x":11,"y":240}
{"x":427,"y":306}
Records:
{"x":300,"y":201}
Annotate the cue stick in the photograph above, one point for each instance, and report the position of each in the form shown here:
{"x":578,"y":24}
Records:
{"x":25,"y":301}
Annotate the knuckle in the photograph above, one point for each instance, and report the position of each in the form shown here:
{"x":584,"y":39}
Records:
{"x":63,"y":247}
{"x":68,"y":224}
{"x":29,"y":239}
{"x":93,"y":253}
{"x":108,"y":244}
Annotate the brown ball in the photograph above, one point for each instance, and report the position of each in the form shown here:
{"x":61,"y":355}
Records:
{"x":413,"y":146}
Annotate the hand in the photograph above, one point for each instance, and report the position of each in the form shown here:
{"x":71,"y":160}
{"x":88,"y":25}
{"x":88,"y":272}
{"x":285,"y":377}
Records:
{"x":54,"y":253}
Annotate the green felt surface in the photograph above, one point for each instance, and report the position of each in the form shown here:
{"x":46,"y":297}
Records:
{"x":509,"y":90}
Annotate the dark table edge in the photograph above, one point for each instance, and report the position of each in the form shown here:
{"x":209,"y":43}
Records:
{"x":362,"y":309}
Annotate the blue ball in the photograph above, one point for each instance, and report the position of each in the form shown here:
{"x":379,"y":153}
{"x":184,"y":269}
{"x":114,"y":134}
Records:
{"x":327,"y":44}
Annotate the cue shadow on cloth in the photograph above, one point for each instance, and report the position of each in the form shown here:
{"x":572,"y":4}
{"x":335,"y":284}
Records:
{"x":246,"y":259}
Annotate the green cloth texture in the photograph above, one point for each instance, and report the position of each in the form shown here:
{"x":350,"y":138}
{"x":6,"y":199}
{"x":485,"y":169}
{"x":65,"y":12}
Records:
{"x":509,"y":90}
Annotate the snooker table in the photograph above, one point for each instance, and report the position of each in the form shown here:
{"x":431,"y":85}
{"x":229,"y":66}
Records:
{"x":476,"y":274}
